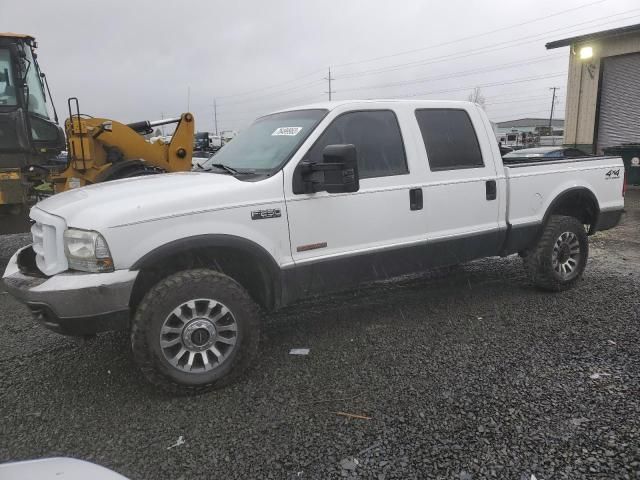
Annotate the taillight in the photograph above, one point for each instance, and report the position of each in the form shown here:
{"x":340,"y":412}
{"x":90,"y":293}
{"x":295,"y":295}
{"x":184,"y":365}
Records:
{"x":624,"y":182}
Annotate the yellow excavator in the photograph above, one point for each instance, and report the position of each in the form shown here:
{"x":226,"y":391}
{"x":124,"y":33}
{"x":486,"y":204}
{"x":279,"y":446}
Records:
{"x":98,"y":149}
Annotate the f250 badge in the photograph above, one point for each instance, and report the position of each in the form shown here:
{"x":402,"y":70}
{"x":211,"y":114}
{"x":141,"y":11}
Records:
{"x":611,"y":174}
{"x":264,"y":214}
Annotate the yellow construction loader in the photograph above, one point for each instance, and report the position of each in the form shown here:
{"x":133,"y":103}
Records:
{"x":98,"y":149}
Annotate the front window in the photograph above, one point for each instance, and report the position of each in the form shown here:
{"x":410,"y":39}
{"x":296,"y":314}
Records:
{"x":377,"y":138}
{"x":35,"y":90}
{"x":269,"y":142}
{"x":7,"y":87}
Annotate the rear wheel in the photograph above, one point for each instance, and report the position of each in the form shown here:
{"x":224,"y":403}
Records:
{"x":558,"y":260}
{"x":194,"y":331}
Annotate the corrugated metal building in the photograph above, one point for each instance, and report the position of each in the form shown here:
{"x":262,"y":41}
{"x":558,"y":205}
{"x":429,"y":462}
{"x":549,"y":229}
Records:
{"x":603,"y":88}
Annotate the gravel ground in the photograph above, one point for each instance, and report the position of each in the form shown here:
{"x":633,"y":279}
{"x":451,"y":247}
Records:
{"x":468,"y":375}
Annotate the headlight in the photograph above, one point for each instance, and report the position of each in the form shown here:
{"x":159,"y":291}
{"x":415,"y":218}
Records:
{"x":87,"y":251}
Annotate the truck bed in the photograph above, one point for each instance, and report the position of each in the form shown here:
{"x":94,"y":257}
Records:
{"x":533,"y":186}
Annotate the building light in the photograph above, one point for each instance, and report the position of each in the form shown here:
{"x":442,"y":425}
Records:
{"x":586,"y":53}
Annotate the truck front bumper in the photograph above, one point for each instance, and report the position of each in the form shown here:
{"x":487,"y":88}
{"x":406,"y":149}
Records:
{"x":73,"y":303}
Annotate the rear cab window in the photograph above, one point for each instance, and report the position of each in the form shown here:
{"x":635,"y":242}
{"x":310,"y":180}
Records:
{"x":449,"y":138}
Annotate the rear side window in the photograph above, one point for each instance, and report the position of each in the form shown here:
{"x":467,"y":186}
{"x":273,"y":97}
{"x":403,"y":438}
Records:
{"x":449,"y":138}
{"x":376,"y":136}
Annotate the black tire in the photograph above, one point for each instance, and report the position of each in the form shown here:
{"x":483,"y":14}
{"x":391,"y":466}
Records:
{"x":541,"y":263}
{"x":160,"y":304}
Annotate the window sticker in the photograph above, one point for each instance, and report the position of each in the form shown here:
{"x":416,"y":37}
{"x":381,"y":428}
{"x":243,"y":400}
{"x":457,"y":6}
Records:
{"x":288,"y":131}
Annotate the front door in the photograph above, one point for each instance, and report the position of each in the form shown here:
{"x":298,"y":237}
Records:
{"x":339,"y":240}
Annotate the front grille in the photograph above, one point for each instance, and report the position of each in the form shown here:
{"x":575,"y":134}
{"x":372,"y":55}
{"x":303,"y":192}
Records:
{"x":47,"y":232}
{"x":38,"y":240}
{"x":27,"y":263}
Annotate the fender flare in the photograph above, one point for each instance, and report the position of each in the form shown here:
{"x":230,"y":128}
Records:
{"x":566,"y":193}
{"x":266,"y":260}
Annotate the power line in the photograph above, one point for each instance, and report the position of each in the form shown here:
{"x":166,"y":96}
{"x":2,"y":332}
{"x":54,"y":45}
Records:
{"x":494,"y":84}
{"x":271,"y":94}
{"x":278,"y":102}
{"x":463,"y":73}
{"x":470,"y":37}
{"x":517,"y":100}
{"x":485,"y":49}
{"x":262,"y":89}
{"x":432,"y":92}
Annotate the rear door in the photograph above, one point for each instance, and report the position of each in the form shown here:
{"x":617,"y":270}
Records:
{"x":462,"y":198}
{"x":342,"y":239}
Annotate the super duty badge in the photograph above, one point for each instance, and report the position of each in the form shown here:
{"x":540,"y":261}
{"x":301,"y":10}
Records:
{"x":263,"y":214}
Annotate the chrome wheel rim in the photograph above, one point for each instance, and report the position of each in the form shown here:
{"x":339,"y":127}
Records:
{"x":566,"y":255}
{"x":198,"y":335}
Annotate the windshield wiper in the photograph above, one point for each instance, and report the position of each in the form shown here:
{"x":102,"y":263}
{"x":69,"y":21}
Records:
{"x":227,"y":168}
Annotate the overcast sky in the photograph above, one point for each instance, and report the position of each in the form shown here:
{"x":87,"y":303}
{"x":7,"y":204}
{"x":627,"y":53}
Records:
{"x":136,"y":60}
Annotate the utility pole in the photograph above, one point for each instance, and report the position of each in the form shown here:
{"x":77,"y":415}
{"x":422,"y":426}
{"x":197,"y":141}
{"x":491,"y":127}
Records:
{"x":329,"y":78}
{"x":553,"y":102}
{"x":215,"y":116}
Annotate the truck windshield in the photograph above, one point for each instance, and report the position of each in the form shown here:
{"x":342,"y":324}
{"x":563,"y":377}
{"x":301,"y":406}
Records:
{"x":268,"y":142}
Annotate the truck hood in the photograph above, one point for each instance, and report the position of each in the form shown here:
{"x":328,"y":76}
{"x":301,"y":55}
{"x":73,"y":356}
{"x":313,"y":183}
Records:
{"x":140,"y":199}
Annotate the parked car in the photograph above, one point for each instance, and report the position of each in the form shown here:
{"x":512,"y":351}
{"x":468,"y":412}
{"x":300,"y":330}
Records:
{"x":303,"y":202}
{"x":544,"y":153}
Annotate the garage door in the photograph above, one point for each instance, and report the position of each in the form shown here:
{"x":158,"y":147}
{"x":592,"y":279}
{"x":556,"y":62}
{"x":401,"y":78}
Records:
{"x":619,"y":120}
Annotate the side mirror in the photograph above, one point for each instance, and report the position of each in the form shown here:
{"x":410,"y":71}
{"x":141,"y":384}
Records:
{"x":338,"y":172}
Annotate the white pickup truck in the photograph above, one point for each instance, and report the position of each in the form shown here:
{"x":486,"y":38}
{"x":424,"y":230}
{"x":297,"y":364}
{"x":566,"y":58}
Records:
{"x":305,"y":201}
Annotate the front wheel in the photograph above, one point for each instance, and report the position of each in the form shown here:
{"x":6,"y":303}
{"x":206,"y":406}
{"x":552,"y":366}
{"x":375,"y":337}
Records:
{"x":194,"y":331}
{"x":559,"y":258}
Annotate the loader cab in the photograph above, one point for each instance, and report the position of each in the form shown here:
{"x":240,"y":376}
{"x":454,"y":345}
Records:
{"x":29,"y":133}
